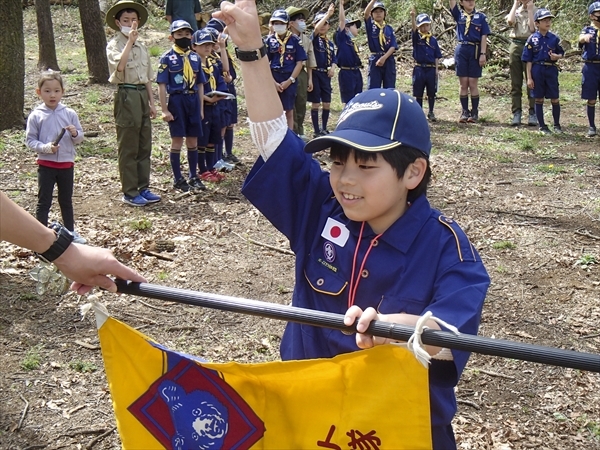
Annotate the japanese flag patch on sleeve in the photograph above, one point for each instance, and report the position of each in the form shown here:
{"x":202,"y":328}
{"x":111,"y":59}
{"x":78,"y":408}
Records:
{"x":335,"y":232}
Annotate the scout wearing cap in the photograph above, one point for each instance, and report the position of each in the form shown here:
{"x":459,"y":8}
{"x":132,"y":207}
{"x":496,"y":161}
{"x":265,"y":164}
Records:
{"x":589,"y":42}
{"x":114,"y":12}
{"x":382,"y":44}
{"x":350,"y":79}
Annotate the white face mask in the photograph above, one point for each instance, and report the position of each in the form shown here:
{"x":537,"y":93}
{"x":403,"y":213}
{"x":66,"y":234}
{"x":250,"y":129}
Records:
{"x":301,"y":26}
{"x":279,"y":29}
{"x":125,"y":30}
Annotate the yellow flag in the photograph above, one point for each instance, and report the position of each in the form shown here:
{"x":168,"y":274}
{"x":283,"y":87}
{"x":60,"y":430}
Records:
{"x":368,"y":400}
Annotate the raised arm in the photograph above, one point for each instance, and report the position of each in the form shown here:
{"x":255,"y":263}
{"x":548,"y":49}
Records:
{"x":511,"y":19}
{"x":452,"y":3}
{"x":413,"y":13}
{"x":342,"y":16}
{"x":368,"y":8}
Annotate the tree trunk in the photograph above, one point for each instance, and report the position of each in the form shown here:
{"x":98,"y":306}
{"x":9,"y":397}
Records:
{"x":47,"y":49}
{"x":95,"y":40}
{"x":12,"y":65}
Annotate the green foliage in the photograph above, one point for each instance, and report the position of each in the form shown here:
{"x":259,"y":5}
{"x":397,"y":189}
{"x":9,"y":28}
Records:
{"x":503,"y":245}
{"x":82,"y":366}
{"x":141,"y":224}
{"x":33,"y":358}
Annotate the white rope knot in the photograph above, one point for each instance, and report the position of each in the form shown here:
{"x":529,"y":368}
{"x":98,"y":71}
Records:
{"x":415,"y":344}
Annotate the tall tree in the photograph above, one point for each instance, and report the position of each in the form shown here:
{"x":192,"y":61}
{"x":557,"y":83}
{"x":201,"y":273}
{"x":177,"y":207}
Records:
{"x":12,"y":64}
{"x":94,"y":39}
{"x":47,"y":49}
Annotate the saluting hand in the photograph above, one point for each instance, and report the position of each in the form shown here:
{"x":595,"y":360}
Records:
{"x":133,"y":34}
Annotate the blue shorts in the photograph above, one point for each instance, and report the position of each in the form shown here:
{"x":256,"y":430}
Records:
{"x":321,"y":87}
{"x":288,"y":96}
{"x":466,"y":57}
{"x":545,"y":81}
{"x":384,"y":76}
{"x":231,"y":107}
{"x":211,"y":125}
{"x":424,"y":77}
{"x":185,"y":109}
{"x":590,"y":81}
{"x":351,"y":83}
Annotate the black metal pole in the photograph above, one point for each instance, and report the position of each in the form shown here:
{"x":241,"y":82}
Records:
{"x":467,"y":342}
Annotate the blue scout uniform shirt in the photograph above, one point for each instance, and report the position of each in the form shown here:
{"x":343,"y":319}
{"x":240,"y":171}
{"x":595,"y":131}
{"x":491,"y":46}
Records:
{"x":347,"y":52}
{"x":170,"y":71}
{"x":324,"y":51}
{"x":591,"y":50}
{"x":373,"y":37}
{"x":423,"y":262}
{"x":537,"y":47}
{"x":477,"y":25}
{"x":423,"y":52}
{"x":284,"y":60}
{"x":215,"y":61}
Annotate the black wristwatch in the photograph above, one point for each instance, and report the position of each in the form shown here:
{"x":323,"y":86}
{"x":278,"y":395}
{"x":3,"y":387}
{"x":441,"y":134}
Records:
{"x":62,"y":242}
{"x":251,"y":55}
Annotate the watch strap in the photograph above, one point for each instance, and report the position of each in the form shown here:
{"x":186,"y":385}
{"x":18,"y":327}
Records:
{"x":251,"y":55}
{"x":62,"y":242}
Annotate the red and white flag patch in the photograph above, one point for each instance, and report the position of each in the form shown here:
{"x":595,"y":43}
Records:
{"x":335,"y":232}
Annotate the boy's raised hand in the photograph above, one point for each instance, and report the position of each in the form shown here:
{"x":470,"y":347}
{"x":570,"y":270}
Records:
{"x":133,"y":34}
{"x":242,"y":22}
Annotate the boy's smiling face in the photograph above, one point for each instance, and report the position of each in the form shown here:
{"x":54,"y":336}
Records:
{"x":370,"y":191}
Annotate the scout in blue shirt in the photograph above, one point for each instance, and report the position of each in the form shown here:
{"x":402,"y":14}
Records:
{"x":382,"y":44}
{"x":285,"y":55}
{"x":589,"y":41}
{"x":427,"y":54}
{"x":179,"y":75}
{"x":326,"y":58}
{"x":366,"y":240}
{"x":541,"y":52}
{"x":350,"y":78}
{"x":472,"y":31}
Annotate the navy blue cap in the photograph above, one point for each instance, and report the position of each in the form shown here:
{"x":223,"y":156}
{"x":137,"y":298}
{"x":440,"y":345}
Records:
{"x":542,"y":13}
{"x":378,"y":5}
{"x":217,"y":24}
{"x":179,"y":25}
{"x":203,"y":36}
{"x":319,"y":16}
{"x":377,"y":120}
{"x":422,"y":19}
{"x":215,"y":33}
{"x":594,"y":7}
{"x":280,"y":15}
{"x":356,"y":22}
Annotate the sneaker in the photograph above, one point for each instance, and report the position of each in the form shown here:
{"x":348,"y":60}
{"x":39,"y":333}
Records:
{"x":431,"y":116}
{"x":196,"y":184}
{"x":210,"y":177}
{"x":181,"y":185}
{"x":591,"y":132}
{"x":558,"y":129}
{"x":231,"y":159}
{"x":223,"y":166}
{"x":473,"y":117}
{"x":532,"y":120}
{"x":150,"y":196}
{"x":545,"y":130}
{"x":324,"y":132}
{"x":138,"y":200}
{"x":77,"y":238}
{"x":464,"y":117}
{"x":516,"y":119}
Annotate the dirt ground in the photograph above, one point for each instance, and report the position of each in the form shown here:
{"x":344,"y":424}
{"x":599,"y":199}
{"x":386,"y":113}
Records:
{"x":529,"y":204}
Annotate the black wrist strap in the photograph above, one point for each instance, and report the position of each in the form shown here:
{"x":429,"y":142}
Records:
{"x":251,"y":55}
{"x":62,"y":242}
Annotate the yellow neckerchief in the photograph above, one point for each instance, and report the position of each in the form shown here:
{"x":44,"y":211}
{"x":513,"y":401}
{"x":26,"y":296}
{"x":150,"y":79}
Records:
{"x":468,"y":16}
{"x":209,"y":70}
{"x":597,"y":37}
{"x":381,"y":34}
{"x":325,"y":42}
{"x":425,"y":36}
{"x":188,"y":72}
{"x":282,"y":44}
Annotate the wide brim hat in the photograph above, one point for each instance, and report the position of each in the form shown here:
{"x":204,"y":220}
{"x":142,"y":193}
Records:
{"x":126,"y":4}
{"x":293,"y":10}
{"x":541,"y":14}
{"x":350,"y":22}
{"x":377,"y":120}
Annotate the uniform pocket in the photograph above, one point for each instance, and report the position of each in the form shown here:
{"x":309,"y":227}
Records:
{"x":324,"y":278}
{"x":123,"y":109}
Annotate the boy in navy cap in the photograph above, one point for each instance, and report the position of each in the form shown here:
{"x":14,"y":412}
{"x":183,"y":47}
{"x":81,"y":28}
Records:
{"x":427,"y":54}
{"x":326,"y":61}
{"x":349,"y":77}
{"x":286,"y":57}
{"x":179,"y":75}
{"x":589,"y":40}
{"x":472,"y":31}
{"x":382,"y":43}
{"x":367,"y":242}
{"x":541,"y":53}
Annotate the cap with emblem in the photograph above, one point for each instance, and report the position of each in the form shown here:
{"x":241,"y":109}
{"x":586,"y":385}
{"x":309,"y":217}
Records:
{"x":203,"y":36}
{"x":378,"y":5}
{"x":280,"y":15}
{"x":378,"y":120}
{"x":126,"y":4}
{"x":594,"y":7}
{"x":319,"y":17}
{"x":179,"y":25}
{"x":217,"y":24}
{"x":422,"y":19}
{"x":350,"y":22}
{"x":541,"y":14}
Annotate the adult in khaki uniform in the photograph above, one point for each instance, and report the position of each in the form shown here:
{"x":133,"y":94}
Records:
{"x":520,"y":18}
{"x":130,"y":68}
{"x":297,"y":25}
